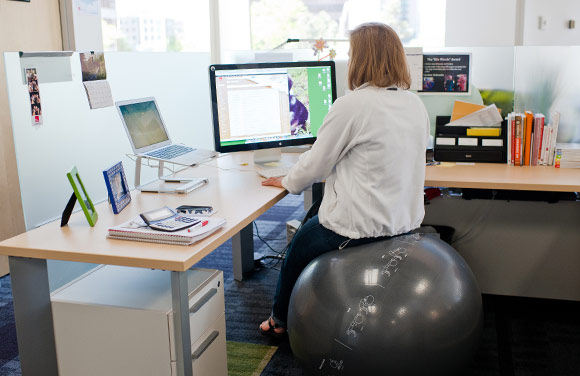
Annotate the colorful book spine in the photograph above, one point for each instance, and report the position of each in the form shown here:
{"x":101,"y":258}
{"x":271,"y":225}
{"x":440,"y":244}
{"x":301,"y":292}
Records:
{"x":555,"y":119}
{"x":519,"y":134}
{"x":528,"y":137}
{"x":513,"y":138}
{"x":538,"y":133}
{"x":509,"y":138}
{"x":545,"y":138}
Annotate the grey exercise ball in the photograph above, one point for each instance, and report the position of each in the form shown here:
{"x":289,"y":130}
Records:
{"x":409,"y":305}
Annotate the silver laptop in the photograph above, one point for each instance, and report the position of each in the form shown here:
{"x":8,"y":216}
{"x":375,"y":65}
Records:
{"x":148,"y":134}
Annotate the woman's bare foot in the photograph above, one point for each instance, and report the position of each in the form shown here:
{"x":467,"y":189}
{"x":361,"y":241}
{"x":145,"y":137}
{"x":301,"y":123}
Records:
{"x":270,"y":327}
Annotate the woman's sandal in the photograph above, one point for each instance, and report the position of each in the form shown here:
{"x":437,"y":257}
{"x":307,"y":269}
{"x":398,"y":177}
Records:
{"x":271,"y":331}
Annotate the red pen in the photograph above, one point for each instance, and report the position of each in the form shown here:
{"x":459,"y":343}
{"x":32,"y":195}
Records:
{"x":203,"y":223}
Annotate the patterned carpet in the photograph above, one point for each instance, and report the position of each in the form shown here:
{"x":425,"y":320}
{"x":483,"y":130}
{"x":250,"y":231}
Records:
{"x":521,"y":336}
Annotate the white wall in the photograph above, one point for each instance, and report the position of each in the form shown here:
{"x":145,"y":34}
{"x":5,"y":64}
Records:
{"x":476,"y":23}
{"x":557,"y":13}
{"x":480,"y":23}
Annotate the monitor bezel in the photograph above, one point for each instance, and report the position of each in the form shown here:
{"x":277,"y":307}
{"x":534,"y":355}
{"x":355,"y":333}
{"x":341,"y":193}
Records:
{"x":261,"y":145}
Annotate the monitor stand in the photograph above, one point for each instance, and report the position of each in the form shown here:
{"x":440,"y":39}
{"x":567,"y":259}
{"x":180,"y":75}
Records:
{"x":264,"y":157}
{"x":166,"y":184}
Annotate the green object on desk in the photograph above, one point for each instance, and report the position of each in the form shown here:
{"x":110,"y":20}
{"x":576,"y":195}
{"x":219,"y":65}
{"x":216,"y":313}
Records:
{"x":80,"y":194}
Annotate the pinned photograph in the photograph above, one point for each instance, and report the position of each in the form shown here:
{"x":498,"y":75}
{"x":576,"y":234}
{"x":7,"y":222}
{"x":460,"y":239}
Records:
{"x":93,"y":66}
{"x":34,"y":94}
{"x":90,"y":7}
{"x":95,"y":81}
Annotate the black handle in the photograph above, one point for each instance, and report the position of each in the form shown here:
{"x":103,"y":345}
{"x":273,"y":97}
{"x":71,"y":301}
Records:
{"x":204,"y":299}
{"x":205,"y":344}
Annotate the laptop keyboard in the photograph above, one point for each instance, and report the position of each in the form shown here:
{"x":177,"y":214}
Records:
{"x":170,"y":152}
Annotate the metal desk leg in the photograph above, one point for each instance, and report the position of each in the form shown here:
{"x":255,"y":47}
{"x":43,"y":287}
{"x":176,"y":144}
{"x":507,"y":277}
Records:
{"x":243,"y":251}
{"x":33,"y":316}
{"x":179,"y":296}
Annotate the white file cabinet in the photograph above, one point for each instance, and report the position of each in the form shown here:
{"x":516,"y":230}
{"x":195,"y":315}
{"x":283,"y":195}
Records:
{"x":119,"y":321}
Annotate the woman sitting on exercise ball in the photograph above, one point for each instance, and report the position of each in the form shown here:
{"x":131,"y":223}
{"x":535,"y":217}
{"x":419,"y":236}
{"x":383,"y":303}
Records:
{"x":370,"y":150}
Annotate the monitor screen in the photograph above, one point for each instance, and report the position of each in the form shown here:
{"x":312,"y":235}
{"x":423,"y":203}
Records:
{"x":269,"y":105}
{"x":143,"y":123}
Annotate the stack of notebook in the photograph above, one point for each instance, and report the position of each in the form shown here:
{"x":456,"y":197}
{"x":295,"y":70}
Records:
{"x":137,"y":230}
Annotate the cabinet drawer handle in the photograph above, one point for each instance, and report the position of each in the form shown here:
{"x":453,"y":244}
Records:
{"x":208,"y":341}
{"x":204,"y":299}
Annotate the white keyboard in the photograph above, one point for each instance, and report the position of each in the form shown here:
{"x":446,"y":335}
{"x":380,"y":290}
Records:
{"x":274,"y":172}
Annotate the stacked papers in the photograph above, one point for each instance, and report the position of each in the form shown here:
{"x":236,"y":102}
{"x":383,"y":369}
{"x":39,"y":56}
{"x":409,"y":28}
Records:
{"x":137,"y":230}
{"x":486,"y":117}
{"x":567,"y":156}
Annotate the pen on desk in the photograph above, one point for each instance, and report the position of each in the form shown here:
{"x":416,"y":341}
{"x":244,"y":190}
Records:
{"x":201,"y":224}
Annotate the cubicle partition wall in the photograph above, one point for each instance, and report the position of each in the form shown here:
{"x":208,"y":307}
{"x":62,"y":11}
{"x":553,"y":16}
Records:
{"x":93,"y":140}
{"x":546,"y":79}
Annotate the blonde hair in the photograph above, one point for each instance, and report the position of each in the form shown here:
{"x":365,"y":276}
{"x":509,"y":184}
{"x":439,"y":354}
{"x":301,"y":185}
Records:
{"x":377,"y":57}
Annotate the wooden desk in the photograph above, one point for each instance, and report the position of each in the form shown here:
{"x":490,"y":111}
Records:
{"x":234,"y":189}
{"x":502,"y":176}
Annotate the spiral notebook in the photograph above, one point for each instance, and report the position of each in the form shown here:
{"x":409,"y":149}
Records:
{"x":136,"y":230}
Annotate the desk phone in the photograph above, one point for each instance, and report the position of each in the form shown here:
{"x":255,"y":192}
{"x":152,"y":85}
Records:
{"x":165,"y":219}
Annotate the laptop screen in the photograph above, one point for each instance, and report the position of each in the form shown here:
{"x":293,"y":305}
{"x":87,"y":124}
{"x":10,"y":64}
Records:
{"x":143,"y":123}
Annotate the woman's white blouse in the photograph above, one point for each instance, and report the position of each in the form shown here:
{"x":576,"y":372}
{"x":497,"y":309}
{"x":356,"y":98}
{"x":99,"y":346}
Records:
{"x":371,"y":152}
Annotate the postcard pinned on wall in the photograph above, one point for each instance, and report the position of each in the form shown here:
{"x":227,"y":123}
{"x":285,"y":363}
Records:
{"x":95,"y":79}
{"x":90,"y":7}
{"x":34,"y":93}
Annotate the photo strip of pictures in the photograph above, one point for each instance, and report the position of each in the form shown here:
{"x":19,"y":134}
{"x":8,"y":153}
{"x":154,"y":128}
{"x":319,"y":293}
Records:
{"x":34,"y":93}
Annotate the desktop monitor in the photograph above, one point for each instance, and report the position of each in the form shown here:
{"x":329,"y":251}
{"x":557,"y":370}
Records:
{"x":270,"y":105}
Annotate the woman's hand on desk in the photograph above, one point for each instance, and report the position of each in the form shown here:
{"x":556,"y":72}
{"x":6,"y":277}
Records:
{"x":275,"y":182}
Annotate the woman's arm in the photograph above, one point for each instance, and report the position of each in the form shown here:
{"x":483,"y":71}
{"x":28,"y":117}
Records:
{"x":335,"y":138}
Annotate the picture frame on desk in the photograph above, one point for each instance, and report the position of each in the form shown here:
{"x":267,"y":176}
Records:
{"x":80,"y":194}
{"x":117,"y":187}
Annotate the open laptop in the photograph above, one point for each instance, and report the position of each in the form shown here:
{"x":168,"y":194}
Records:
{"x":148,"y":134}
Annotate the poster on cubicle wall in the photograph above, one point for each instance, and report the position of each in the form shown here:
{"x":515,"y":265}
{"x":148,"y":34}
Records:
{"x":446,"y":73}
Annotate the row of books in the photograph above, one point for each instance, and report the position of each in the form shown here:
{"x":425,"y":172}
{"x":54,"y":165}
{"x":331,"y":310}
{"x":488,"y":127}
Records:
{"x":530,"y":140}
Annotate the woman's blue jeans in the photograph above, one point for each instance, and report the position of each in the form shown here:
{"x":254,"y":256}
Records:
{"x":310,"y":241}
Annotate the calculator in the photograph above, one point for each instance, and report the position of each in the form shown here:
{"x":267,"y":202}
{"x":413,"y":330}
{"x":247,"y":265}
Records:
{"x":165,"y":219}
